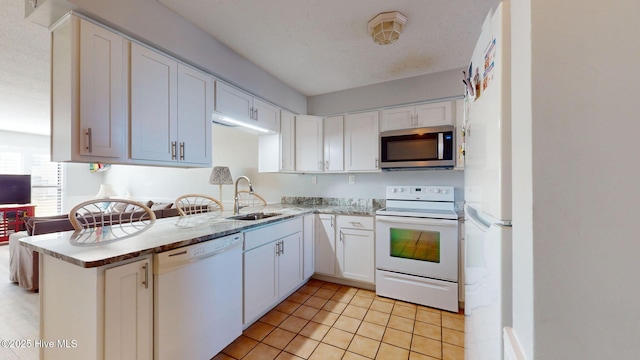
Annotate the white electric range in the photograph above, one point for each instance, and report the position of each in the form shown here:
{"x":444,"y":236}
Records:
{"x":417,"y":246}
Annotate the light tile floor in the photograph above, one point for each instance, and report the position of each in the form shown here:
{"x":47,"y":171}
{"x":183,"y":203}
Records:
{"x":323,"y":320}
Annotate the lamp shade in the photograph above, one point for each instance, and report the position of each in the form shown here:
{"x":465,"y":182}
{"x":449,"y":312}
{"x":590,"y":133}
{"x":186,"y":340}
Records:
{"x":220,"y":175}
{"x":106,"y":191}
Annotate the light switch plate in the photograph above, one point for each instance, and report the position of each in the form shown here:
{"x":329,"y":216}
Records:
{"x":352,"y":179}
{"x":314,"y":179}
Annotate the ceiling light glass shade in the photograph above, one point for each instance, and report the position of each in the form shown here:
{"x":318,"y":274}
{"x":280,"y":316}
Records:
{"x":386,"y":28}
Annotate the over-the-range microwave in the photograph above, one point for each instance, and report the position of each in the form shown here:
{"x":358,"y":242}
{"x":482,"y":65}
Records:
{"x":419,"y":148}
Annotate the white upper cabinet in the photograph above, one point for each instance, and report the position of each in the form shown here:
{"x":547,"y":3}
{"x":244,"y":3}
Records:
{"x":88,"y":93}
{"x":276,"y":152}
{"x":266,"y":115}
{"x":171,"y":106}
{"x":333,"y":139}
{"x":424,"y":115}
{"x":117,"y":101}
{"x":309,"y":143}
{"x":398,"y":118}
{"x":361,"y":141}
{"x":154,"y":105}
{"x":232,"y":102}
{"x":195,"y":106}
{"x":241,"y":106}
{"x":287,"y":141}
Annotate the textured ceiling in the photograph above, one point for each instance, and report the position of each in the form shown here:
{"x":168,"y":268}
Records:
{"x":314,"y":46}
{"x":323,"y":46}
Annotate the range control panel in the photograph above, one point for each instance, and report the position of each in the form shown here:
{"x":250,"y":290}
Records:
{"x":423,"y":193}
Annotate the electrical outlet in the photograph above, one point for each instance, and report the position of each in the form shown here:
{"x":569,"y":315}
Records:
{"x":352,"y":179}
{"x":314,"y":179}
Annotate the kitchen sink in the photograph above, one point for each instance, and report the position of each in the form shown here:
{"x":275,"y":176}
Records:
{"x":253,"y":216}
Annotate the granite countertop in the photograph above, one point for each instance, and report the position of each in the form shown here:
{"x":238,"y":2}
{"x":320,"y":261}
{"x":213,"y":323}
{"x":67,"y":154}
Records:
{"x":97,"y":247}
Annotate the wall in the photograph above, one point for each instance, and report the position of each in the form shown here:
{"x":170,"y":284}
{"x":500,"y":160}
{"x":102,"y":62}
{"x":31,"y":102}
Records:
{"x":78,"y":183}
{"x":523,"y":307}
{"x":585,"y":172}
{"x":440,"y":85}
{"x":238,"y":149}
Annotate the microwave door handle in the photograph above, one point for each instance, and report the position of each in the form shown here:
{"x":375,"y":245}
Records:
{"x":440,"y":146}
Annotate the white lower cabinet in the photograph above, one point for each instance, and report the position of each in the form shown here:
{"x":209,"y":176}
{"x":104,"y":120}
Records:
{"x":112,"y":308}
{"x":355,"y":248}
{"x":345,"y":247}
{"x":272,"y":266}
{"x":308,"y":246}
{"x":128,"y":311}
{"x":325,"y":241}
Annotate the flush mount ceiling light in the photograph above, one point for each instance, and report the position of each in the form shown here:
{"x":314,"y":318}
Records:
{"x":386,"y":27}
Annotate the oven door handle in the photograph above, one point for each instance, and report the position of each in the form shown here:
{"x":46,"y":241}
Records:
{"x":416,"y":221}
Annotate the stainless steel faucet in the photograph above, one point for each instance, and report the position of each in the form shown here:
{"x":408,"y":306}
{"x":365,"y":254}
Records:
{"x":236,"y":206}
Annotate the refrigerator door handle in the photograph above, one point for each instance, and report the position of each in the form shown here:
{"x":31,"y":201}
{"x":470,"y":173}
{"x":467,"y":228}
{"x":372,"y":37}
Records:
{"x":472,"y":217}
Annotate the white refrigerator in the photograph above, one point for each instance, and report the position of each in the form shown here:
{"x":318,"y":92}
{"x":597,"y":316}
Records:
{"x":487,"y":182}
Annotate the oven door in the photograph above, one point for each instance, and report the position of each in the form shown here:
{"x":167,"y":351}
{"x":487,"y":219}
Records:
{"x":417,"y":246}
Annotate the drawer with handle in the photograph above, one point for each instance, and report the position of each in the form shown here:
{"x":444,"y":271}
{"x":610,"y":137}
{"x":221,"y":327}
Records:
{"x":355,"y":222}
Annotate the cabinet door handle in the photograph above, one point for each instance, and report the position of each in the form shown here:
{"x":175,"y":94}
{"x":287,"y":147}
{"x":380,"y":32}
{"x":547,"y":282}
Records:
{"x":250,"y":113}
{"x":182,"y":150}
{"x":341,"y":236}
{"x":145,"y":282}
{"x":173,"y":150}
{"x":89,"y":140}
{"x":332,"y":221}
{"x":326,"y":165}
{"x":355,"y":223}
{"x":376,"y":160}
{"x":417,"y":123}
{"x":282,"y":247}
{"x":256,"y":115}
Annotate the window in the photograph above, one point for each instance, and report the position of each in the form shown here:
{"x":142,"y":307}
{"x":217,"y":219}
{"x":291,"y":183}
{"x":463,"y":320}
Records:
{"x":46,"y":178}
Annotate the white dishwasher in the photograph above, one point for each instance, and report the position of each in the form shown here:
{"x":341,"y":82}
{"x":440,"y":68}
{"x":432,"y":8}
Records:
{"x":197,"y":299}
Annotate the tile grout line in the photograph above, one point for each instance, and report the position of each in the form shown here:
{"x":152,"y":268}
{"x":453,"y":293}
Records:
{"x":335,"y":289}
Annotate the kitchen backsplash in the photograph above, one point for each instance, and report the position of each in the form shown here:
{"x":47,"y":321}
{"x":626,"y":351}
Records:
{"x":330,"y":201}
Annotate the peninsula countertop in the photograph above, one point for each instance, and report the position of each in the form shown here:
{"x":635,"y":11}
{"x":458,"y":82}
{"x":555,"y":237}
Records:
{"x":97,"y":247}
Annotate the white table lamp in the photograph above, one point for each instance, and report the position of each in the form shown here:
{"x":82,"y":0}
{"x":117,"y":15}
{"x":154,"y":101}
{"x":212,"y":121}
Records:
{"x":106,"y":191}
